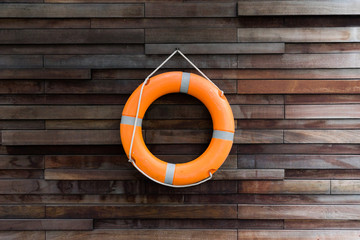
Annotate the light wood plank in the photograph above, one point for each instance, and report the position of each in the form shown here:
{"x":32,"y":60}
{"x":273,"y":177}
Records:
{"x":322,"y":111}
{"x":322,"y":136}
{"x":258,"y":136}
{"x":70,"y":10}
{"x":345,"y":186}
{"x":271,"y":8}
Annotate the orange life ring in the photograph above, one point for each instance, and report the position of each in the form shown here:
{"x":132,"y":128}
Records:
{"x":220,"y":144}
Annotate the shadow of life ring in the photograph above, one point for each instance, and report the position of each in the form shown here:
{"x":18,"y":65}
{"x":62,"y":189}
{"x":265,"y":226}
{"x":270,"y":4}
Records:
{"x":183,"y":174}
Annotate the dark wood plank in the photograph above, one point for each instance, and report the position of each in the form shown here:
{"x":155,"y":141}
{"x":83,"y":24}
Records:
{"x":45,"y":224}
{"x":61,"y":112}
{"x":297,"y":234}
{"x":322,"y":111}
{"x":21,"y":61}
{"x":21,"y":162}
{"x":259,"y":8}
{"x":322,"y":99}
{"x":70,"y":11}
{"x":285,"y":187}
{"x":298,"y":86}
{"x":187,"y":224}
{"x":322,"y":48}
{"x":78,"y":36}
{"x":19,"y":23}
{"x":196,"y":234}
{"x":258,"y":111}
{"x":22,"y":211}
{"x":255,"y":99}
{"x":298,"y":212}
{"x":224,"y":48}
{"x":86,"y":99}
{"x":21,"y":86}
{"x":87,"y":162}
{"x":298,"y":34}
{"x":190,"y":10}
{"x":44,"y":74}
{"x":218,"y":211}
{"x":190,"y":35}
{"x":21,"y":174}
{"x":321,"y":224}
{"x":25,"y":99}
{"x":60,"y":137}
{"x":28,"y":235}
{"x":322,"y":174}
{"x":8,"y":124}
{"x":247,"y":174}
{"x":136,"y":61}
{"x":345,"y":60}
{"x":258,"y":136}
{"x":321,"y":136}
{"x":321,"y":21}
{"x":82,"y":124}
{"x":286,"y":161}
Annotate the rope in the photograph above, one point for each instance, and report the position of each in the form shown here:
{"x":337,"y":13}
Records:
{"x":137,"y":115}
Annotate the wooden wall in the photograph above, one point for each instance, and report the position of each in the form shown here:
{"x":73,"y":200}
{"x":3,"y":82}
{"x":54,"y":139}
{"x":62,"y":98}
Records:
{"x":290,"y":70}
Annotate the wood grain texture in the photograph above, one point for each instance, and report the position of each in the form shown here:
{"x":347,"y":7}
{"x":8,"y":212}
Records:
{"x":322,"y":111}
{"x":21,"y":86}
{"x":285,"y":187}
{"x":45,"y":224}
{"x":23,"y":23}
{"x":8,"y":124}
{"x":321,"y":224}
{"x":222,"y":48}
{"x":322,"y":99}
{"x":321,"y":136}
{"x":298,"y":34}
{"x":258,"y":136}
{"x":298,"y":86}
{"x":70,"y":11}
{"x":21,"y":61}
{"x":23,"y":211}
{"x":147,"y":234}
{"x":74,"y":36}
{"x":190,"y":10}
{"x":44,"y":74}
{"x":29,"y":235}
{"x":297,"y":234}
{"x":322,"y":174}
{"x":345,"y":186}
{"x":259,"y":8}
{"x":322,"y":48}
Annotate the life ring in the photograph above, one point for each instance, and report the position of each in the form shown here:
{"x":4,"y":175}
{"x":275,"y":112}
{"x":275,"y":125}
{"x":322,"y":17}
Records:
{"x":181,"y":174}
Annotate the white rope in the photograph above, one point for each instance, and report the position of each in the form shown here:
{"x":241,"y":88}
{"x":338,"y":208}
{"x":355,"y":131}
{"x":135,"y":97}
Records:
{"x":137,"y":115}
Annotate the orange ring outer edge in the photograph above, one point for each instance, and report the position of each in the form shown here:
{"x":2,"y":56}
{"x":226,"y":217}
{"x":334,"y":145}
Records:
{"x":220,"y":111}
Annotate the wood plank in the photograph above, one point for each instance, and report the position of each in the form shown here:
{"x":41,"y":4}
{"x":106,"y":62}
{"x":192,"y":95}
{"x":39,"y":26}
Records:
{"x":298,"y":124}
{"x":190,"y":10}
{"x":22,"y":211}
{"x":86,"y":99}
{"x":190,"y":35}
{"x":322,"y":48}
{"x":21,"y":174}
{"x":21,"y":86}
{"x":224,"y":48}
{"x":50,"y":49}
{"x":345,"y":186}
{"x":219,"y":211}
{"x":61,"y":112}
{"x":298,"y":34}
{"x":82,"y":124}
{"x":19,"y":23}
{"x":21,"y":162}
{"x":321,"y":21}
{"x":258,"y":111}
{"x":286,"y":161}
{"x":136,"y":61}
{"x":322,"y":174}
{"x":28,"y":235}
{"x":246,"y":174}
{"x":21,"y":61}
{"x":322,"y":99}
{"x":321,"y":136}
{"x":26,"y":99}
{"x":297,"y":234}
{"x":321,"y":224}
{"x":187,"y":224}
{"x":45,"y":74}
{"x":60,"y":137}
{"x":258,"y":136}
{"x":345,"y":60}
{"x":255,"y":99}
{"x":87,"y":162}
{"x":322,"y":111}
{"x":298,"y":212}
{"x":298,"y":86}
{"x":65,"y":36}
{"x":260,"y":8}
{"x":138,"y":234}
{"x":8,"y":124}
{"x":70,"y":11}
{"x":285,"y":187}
{"x":45,"y":224}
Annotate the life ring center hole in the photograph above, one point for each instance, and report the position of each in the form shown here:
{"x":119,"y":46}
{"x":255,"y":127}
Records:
{"x":178,"y":128}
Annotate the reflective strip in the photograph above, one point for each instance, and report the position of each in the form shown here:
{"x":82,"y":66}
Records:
{"x":170,"y":171}
{"x":223,"y":135}
{"x":130,"y":121}
{"x":185,"y":81}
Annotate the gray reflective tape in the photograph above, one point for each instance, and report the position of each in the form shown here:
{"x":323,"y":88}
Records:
{"x":130,"y":121}
{"x":185,"y":81}
{"x":170,"y":171}
{"x":223,"y":135}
